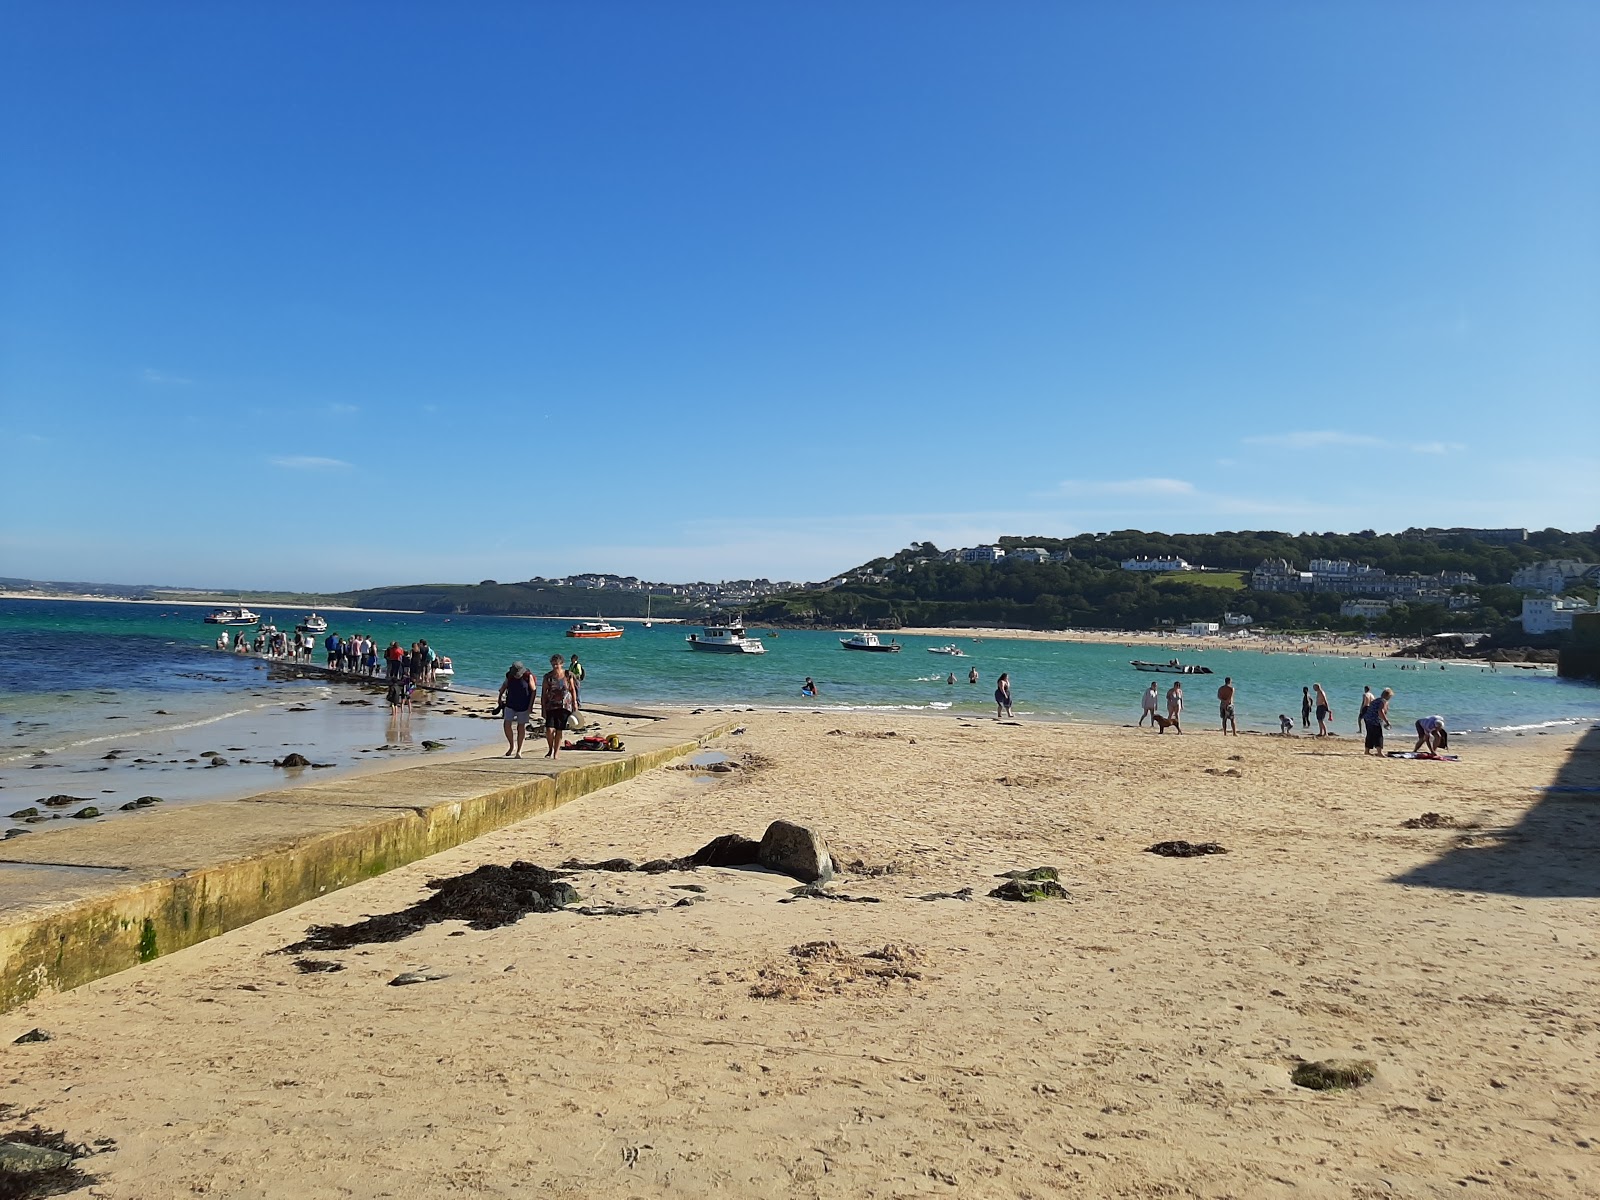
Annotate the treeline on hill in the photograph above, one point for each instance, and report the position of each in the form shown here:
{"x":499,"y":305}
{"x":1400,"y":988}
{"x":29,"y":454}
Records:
{"x":1091,"y":590}
{"x":490,"y":598}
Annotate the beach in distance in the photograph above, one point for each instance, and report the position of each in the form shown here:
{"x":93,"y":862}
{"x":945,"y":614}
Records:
{"x":910,"y":1035}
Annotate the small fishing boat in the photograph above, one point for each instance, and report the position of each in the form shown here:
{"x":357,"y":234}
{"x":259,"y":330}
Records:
{"x":312,"y":624}
{"x":1171,"y":667}
{"x":238,"y":615}
{"x":729,"y":638}
{"x":594,"y":629}
{"x":953,"y":650}
{"x":870,"y":643}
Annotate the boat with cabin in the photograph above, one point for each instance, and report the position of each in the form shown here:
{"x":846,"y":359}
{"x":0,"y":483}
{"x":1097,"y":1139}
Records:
{"x":726,"y":638}
{"x":594,"y":629}
{"x":238,"y":615}
{"x":1171,"y":667}
{"x":312,"y":624}
{"x":953,"y":650}
{"x":870,"y":643}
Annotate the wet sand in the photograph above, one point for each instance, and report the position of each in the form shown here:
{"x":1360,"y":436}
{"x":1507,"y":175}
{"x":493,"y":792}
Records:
{"x":1133,"y":1040}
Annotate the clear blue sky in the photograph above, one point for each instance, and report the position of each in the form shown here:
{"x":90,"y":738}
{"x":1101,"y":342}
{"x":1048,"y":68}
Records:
{"x":323,"y":295}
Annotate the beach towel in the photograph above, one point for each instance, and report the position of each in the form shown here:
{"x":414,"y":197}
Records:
{"x":1428,"y":757}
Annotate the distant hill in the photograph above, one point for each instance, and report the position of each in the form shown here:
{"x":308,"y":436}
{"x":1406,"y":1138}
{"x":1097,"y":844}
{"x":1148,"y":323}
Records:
{"x":915,"y":586}
{"x":516,"y":599}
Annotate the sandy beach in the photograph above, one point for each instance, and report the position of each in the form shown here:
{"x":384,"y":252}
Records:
{"x":1266,"y":642}
{"x":1134,"y":1039}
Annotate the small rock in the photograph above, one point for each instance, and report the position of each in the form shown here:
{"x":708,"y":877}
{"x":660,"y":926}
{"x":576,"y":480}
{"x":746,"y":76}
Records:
{"x":796,"y":850}
{"x":729,"y":850}
{"x":1033,"y":875}
{"x":432,"y":745}
{"x":1182,"y":849}
{"x":146,"y":801}
{"x":1028,"y":891}
{"x":219,"y":761}
{"x":410,"y":977}
{"x":292,"y":760}
{"x":62,"y":801}
{"x":85,"y":814}
{"x":19,"y":1158}
{"x":687,"y":887}
{"x":33,"y":1035}
{"x":24,"y":813}
{"x":317,"y":966}
{"x":1333,"y":1074}
{"x":16,"y":833}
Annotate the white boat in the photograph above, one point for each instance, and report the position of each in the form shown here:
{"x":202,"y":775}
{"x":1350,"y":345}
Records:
{"x":443,"y":666}
{"x":869,"y":642}
{"x":312,"y":624}
{"x":725,"y":639}
{"x":952,"y":650}
{"x":233,"y":616}
{"x":647,"y":622}
{"x":594,"y":629}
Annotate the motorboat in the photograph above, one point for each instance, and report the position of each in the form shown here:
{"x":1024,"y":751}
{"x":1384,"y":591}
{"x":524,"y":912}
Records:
{"x":239,"y":615}
{"x":594,"y":629}
{"x":953,"y":650}
{"x":729,"y":638}
{"x":870,"y":642}
{"x":443,"y":666}
{"x":312,"y":624}
{"x":1171,"y":667}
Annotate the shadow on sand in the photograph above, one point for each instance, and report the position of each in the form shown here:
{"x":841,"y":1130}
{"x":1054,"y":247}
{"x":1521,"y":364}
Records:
{"x":1553,"y":851}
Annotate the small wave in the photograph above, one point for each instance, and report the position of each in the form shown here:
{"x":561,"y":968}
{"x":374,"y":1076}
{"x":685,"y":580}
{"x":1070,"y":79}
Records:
{"x":1569,"y":722}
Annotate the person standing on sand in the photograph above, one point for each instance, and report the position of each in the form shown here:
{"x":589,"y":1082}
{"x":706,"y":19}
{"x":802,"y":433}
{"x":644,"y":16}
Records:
{"x":1305,"y":708}
{"x":559,"y":700}
{"x":1175,"y":700}
{"x":1324,"y":709}
{"x":1149,"y":704}
{"x":1002,"y":696}
{"x":1377,"y":722}
{"x":516,"y":698}
{"x":1225,"y":695}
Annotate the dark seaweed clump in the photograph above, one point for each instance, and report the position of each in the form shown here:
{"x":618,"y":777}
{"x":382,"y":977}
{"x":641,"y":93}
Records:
{"x":47,"y":1180}
{"x":486,"y":898}
{"x":1182,"y":849}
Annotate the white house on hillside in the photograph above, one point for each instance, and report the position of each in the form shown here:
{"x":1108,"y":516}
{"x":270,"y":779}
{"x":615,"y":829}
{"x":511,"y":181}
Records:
{"x":1551,"y":614}
{"x":1155,"y":564}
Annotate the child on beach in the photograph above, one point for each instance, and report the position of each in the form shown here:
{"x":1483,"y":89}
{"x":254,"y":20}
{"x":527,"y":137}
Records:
{"x":1285,"y":725}
{"x":1151,"y":701}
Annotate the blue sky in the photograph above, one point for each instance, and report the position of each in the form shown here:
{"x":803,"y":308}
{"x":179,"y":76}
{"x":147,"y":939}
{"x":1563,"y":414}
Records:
{"x":319,"y":296}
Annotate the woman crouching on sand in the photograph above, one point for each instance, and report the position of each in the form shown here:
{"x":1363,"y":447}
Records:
{"x":556,"y":700}
{"x":1432,"y":736}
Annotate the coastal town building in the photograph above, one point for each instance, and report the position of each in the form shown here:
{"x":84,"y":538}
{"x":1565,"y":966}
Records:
{"x":1339,"y":577}
{"x":1155,"y":564}
{"x":1555,"y":575}
{"x":1033,"y":554}
{"x":1364,"y":608}
{"x":982,"y":554}
{"x":1201,"y":629}
{"x":1551,"y":614}
{"x":1238,"y":620}
{"x":1503,"y":537}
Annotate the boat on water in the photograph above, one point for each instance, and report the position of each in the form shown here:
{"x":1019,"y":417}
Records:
{"x":953,"y":650}
{"x":312,"y":624}
{"x":443,"y":666}
{"x":1171,"y":667}
{"x":870,"y":642}
{"x":648,"y":623}
{"x":238,"y":615}
{"x":727,"y":638}
{"x":594,"y":629}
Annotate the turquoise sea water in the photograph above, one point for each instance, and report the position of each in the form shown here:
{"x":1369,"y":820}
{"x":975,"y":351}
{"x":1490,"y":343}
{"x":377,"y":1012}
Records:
{"x":54,"y":653}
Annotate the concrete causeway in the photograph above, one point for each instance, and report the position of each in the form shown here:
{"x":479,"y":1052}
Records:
{"x":83,"y":902}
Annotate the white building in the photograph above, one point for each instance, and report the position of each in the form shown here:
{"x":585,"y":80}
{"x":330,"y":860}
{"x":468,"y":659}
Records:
{"x":1364,"y":608}
{"x":1554,"y":575}
{"x":1155,"y":564}
{"x":982,"y":554}
{"x":1237,"y":620}
{"x":1202,"y":629}
{"x":1550,"y":614}
{"x":1030,"y":554}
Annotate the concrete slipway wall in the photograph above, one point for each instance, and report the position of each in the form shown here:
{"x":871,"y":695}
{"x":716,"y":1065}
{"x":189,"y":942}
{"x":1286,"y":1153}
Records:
{"x":80,"y":903}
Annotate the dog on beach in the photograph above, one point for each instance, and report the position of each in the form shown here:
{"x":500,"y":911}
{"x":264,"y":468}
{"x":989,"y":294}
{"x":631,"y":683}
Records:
{"x":1164,"y":723}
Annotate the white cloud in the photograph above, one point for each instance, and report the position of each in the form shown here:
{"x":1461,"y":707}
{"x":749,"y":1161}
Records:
{"x":343,"y":410}
{"x":151,"y":375}
{"x":1438,"y":447}
{"x":1313,"y":439}
{"x":309,"y":462}
{"x":1123,"y":487}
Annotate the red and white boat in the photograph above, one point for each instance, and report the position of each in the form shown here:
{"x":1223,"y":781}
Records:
{"x":594,"y":629}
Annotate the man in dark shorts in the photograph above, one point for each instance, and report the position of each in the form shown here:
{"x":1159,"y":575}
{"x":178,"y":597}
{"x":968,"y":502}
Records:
{"x":516,"y":698}
{"x":557,"y":696}
{"x":1377,"y":720}
{"x":1225,"y":702}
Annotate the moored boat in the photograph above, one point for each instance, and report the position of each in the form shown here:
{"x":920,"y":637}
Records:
{"x":1171,"y":667}
{"x":953,"y":650}
{"x":728,"y":638}
{"x":870,"y":642}
{"x":312,"y":624}
{"x":238,"y":615}
{"x":594,"y":629}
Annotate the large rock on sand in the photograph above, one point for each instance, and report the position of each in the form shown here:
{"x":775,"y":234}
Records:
{"x":796,"y":850}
